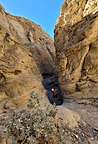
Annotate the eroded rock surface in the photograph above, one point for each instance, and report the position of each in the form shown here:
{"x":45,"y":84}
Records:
{"x":26,"y":52}
{"x":76,"y":41}
{"x":77,"y":61}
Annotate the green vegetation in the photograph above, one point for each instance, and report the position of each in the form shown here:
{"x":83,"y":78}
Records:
{"x":31,"y":125}
{"x":35,"y":125}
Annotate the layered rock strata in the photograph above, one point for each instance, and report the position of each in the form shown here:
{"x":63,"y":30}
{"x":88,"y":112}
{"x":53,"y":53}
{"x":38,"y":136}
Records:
{"x":26,"y":53}
{"x":76,"y":42}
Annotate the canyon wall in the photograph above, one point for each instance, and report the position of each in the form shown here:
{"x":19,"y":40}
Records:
{"x":26,"y":53}
{"x":76,"y":42}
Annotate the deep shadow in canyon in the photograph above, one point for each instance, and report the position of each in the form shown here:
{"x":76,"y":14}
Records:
{"x":53,"y":90}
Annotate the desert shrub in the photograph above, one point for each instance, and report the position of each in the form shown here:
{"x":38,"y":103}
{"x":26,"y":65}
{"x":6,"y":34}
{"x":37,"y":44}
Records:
{"x":32,"y":125}
{"x":35,"y":125}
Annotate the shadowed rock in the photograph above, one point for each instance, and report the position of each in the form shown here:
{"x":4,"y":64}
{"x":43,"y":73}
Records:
{"x":76,"y":42}
{"x":26,"y":52}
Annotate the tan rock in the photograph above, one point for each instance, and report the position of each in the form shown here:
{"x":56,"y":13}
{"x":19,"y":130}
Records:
{"x":76,"y":48}
{"x":67,"y":117}
{"x":26,"y":52}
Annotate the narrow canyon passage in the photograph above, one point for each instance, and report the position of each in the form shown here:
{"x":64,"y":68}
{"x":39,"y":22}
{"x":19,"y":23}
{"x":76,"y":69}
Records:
{"x":54,"y":93}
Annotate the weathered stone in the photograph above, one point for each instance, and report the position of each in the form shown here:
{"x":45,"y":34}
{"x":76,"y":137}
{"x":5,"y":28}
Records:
{"x":67,"y":117}
{"x":76,"y":48}
{"x":26,"y":52}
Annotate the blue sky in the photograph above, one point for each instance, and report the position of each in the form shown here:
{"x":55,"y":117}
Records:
{"x":42,"y":12}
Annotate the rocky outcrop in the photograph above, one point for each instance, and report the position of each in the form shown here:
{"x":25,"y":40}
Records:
{"x":27,"y":56}
{"x":26,"y":52}
{"x":76,"y":39}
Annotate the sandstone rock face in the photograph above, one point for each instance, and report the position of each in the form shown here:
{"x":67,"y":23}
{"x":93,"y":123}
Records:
{"x":26,"y":52}
{"x":76,"y":41}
